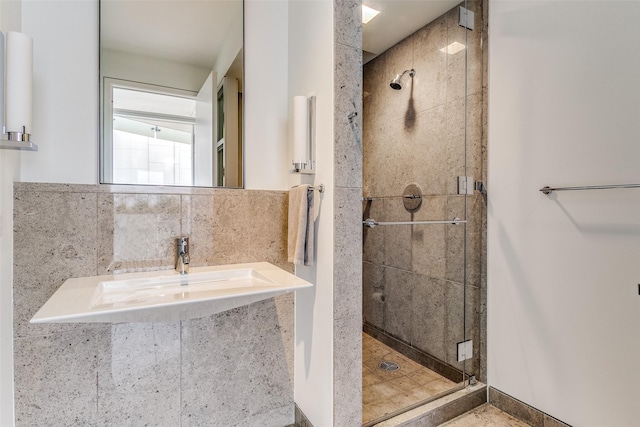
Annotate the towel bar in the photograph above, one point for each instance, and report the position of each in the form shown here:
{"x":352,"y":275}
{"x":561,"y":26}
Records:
{"x":370,"y":222}
{"x":549,"y":190}
{"x":320,"y":188}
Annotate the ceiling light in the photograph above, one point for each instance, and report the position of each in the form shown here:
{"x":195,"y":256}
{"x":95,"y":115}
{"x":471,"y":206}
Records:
{"x":368,"y":14}
{"x":453,"y":48}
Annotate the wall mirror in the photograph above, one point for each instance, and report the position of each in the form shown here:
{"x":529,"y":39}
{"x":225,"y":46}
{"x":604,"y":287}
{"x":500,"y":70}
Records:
{"x":171,"y":92}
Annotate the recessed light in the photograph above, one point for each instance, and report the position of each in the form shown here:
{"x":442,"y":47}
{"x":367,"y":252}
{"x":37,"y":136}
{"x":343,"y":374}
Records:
{"x":368,"y":14}
{"x":453,"y":48}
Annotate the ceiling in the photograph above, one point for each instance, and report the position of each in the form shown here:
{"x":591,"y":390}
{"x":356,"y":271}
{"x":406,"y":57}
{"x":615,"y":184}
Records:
{"x":148,"y":27}
{"x":397,"y":20}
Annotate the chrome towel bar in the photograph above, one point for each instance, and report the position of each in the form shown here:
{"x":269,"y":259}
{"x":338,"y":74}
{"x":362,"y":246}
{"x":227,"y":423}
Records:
{"x":549,"y":190}
{"x":319,"y":188}
{"x":406,"y":196}
{"x":369,"y":222}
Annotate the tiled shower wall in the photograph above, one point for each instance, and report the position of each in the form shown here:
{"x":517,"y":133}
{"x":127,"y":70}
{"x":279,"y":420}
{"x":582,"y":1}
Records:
{"x":230,"y":369}
{"x":413,"y":285}
{"x":347,"y":253}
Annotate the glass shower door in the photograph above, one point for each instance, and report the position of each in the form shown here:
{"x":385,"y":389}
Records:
{"x":421,"y":249}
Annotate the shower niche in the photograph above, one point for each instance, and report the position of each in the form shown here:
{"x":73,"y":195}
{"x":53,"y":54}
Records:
{"x":422,"y":261}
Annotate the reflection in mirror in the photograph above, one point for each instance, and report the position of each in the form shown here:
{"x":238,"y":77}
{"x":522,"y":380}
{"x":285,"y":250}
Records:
{"x":171,"y":92}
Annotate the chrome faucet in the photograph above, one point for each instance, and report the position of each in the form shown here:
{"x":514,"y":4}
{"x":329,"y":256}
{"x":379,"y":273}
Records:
{"x":182,"y":255}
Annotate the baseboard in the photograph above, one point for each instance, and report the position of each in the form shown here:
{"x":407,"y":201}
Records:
{"x":301,"y":419}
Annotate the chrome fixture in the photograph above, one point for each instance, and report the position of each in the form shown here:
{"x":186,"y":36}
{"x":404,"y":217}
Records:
{"x":396,"y":83}
{"x":414,"y":201}
{"x":370,"y":222}
{"x":548,"y":190}
{"x":182,"y":255}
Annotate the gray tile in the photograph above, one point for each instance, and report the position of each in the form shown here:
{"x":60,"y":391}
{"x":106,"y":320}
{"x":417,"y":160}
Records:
{"x":482,"y":369}
{"x":455,"y":328}
{"x":397,"y":238}
{"x":273,"y":418}
{"x":55,"y":238}
{"x":139,"y":369}
{"x":271,"y":353}
{"x":400,"y":104}
{"x":475,"y":132}
{"x":428,"y":311}
{"x":456,"y":238}
{"x":348,"y":131}
{"x":485,"y":415}
{"x":347,"y":254}
{"x":398,"y":302}
{"x":428,"y":241}
{"x":516,"y":408}
{"x":373,"y":246}
{"x":456,"y":144}
{"x":430,"y":152}
{"x":348,"y":22}
{"x":484,"y":44}
{"x":460,"y":406}
{"x":246,"y":356}
{"x":430,"y":63}
{"x":232,"y":215}
{"x":134,"y":367}
{"x":373,"y":294}
{"x":301,"y":419}
{"x":267,"y":229}
{"x":144,"y":228}
{"x":375,"y":91}
{"x":424,"y":420}
{"x":394,"y":157}
{"x":552,"y":422}
{"x":209,"y":383}
{"x":347,"y":385}
{"x":464,"y":68}
{"x":454,"y":321}
{"x":56,"y":378}
{"x":197,"y":223}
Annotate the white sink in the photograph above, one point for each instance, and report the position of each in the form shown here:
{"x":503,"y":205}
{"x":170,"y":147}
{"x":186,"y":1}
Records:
{"x":165,"y":296}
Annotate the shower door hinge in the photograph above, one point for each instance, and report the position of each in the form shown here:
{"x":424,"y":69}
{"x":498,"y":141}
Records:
{"x":465,"y":350}
{"x":466,"y":185}
{"x":466,"y":18}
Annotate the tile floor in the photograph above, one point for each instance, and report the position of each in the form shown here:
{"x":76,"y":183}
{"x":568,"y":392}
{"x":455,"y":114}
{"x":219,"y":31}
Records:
{"x":384,"y":392}
{"x":485,"y":416}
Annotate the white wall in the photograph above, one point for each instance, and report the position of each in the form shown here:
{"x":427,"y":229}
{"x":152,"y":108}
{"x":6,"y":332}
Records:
{"x":10,"y":17}
{"x":311,"y":72}
{"x":265,"y":94}
{"x":145,"y":69}
{"x":563,"y":270}
{"x":65,"y":91}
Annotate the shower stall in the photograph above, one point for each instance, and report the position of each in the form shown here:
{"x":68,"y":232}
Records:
{"x":423,"y":213}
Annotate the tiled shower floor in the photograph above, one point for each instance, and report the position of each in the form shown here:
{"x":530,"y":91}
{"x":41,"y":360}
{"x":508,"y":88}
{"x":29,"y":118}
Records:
{"x":384,"y":392}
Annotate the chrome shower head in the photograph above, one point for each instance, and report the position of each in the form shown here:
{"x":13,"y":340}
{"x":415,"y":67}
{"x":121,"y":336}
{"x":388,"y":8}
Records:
{"x":396,"y":83}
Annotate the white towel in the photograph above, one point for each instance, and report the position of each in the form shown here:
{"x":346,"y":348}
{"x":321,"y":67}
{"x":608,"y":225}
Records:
{"x":300,"y":237}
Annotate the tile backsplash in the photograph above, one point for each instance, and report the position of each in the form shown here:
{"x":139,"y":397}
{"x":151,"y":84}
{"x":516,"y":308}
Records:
{"x":230,"y":369}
